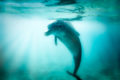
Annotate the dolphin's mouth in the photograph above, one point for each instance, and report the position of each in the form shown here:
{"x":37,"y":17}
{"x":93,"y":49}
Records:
{"x":48,"y":33}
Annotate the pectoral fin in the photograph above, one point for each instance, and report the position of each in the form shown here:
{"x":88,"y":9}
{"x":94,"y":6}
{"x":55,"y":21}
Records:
{"x":55,"y":40}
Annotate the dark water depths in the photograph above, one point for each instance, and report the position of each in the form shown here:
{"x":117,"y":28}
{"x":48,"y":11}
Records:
{"x":27,"y":54}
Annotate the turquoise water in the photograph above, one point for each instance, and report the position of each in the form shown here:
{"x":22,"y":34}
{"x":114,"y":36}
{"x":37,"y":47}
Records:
{"x":27,"y":54}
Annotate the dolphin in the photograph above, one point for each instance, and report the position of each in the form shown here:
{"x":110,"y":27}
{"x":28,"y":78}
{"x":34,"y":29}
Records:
{"x":70,"y":38}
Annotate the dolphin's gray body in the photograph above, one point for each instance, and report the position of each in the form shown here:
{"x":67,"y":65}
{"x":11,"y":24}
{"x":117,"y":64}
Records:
{"x":70,"y":38}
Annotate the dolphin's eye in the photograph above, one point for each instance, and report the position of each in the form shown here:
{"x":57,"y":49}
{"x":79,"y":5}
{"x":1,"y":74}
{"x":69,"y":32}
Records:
{"x":61,"y":27}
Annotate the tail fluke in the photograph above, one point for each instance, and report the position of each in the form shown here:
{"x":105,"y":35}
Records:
{"x":74,"y":75}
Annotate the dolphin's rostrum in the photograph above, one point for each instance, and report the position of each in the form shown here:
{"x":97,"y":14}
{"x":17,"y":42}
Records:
{"x":70,"y":38}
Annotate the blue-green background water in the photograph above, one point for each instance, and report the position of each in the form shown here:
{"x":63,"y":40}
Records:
{"x":27,"y":54}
